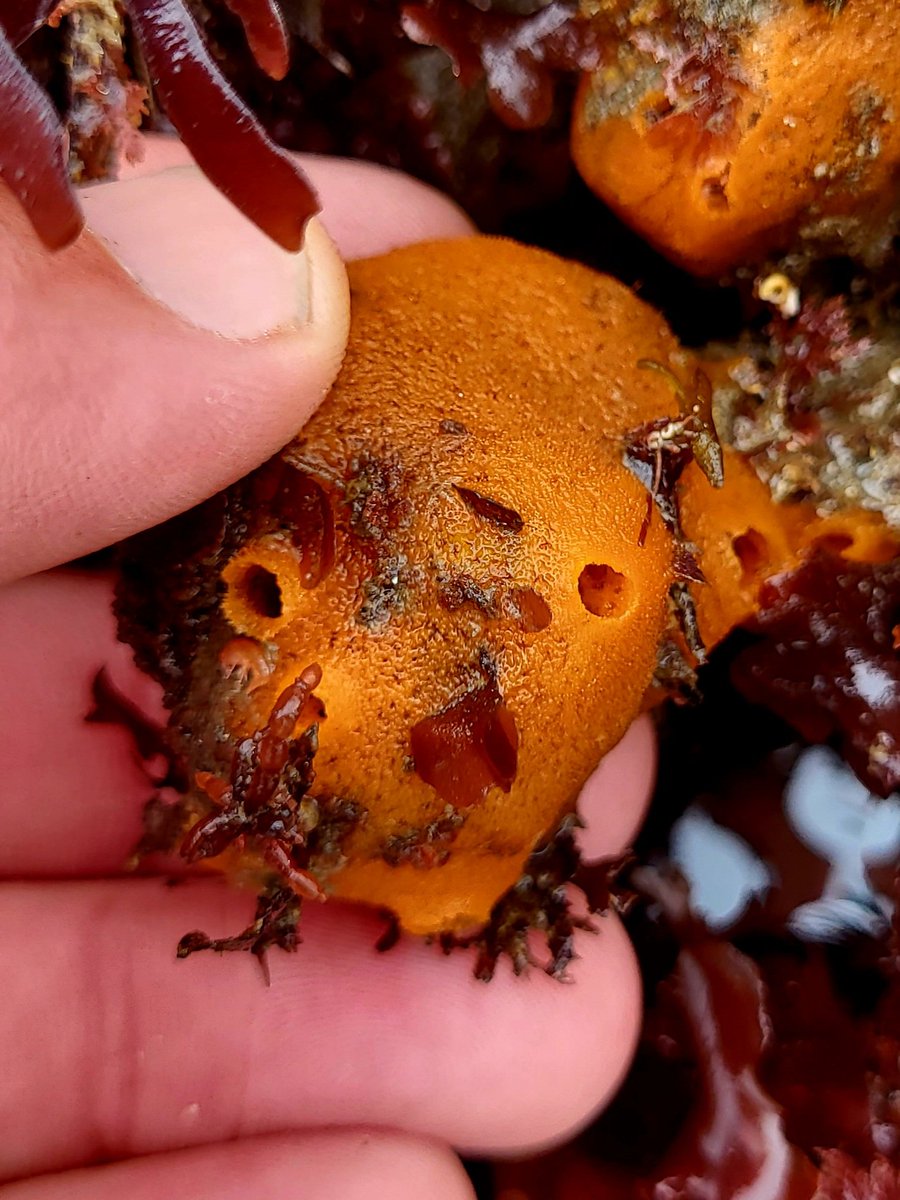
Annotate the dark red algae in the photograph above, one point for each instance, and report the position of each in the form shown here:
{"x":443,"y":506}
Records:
{"x":828,"y":663}
{"x":468,"y":748}
{"x":225,"y":138}
{"x":34,"y":153}
{"x":768,"y":1062}
{"x":841,"y":1179}
{"x":732,"y":1143}
{"x":520,"y":56}
{"x":720,"y":1135}
{"x":266,"y":33}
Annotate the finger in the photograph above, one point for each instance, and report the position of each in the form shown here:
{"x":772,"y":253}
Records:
{"x":615,"y":799}
{"x":170,"y":350}
{"x":398,"y":210}
{"x":163,"y":1054}
{"x":122,"y":406}
{"x":325,"y":1165}
{"x":75,"y":791}
{"x":57,"y":631}
{"x":163,"y":355}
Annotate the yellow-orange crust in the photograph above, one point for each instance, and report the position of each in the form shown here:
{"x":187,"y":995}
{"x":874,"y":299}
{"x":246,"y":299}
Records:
{"x":744,"y":538}
{"x":455,"y":560}
{"x":807,"y":128}
{"x":456,"y":381}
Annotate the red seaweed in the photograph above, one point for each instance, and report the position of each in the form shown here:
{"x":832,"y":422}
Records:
{"x":300,"y":505}
{"x":266,"y":34}
{"x":468,"y":748}
{"x":541,"y":901}
{"x":842,"y":1179}
{"x":826,"y":662}
{"x":33,"y":154}
{"x":813,"y":344}
{"x":227,"y":141}
{"x":701,"y":75}
{"x":733,"y":1140}
{"x":20,"y":18}
{"x":519,"y":56}
{"x":271,"y":773}
{"x":490,"y":510}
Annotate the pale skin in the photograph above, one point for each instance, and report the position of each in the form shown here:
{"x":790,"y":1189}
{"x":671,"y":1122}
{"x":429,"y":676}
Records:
{"x":354,"y":1073}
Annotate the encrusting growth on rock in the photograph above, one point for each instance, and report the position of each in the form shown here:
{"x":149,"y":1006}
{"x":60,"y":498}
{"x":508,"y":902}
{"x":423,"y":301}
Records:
{"x":481,"y":540}
{"x":721,"y":132}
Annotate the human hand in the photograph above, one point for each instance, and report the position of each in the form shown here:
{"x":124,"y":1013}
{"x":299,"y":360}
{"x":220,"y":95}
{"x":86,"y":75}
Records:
{"x":348,"y":1076}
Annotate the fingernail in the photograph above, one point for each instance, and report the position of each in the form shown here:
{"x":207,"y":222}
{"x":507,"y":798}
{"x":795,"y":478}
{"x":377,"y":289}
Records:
{"x":191,"y":250}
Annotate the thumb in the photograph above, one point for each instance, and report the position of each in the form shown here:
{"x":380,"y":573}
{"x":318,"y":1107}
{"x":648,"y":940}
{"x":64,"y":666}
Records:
{"x":167,"y":352}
